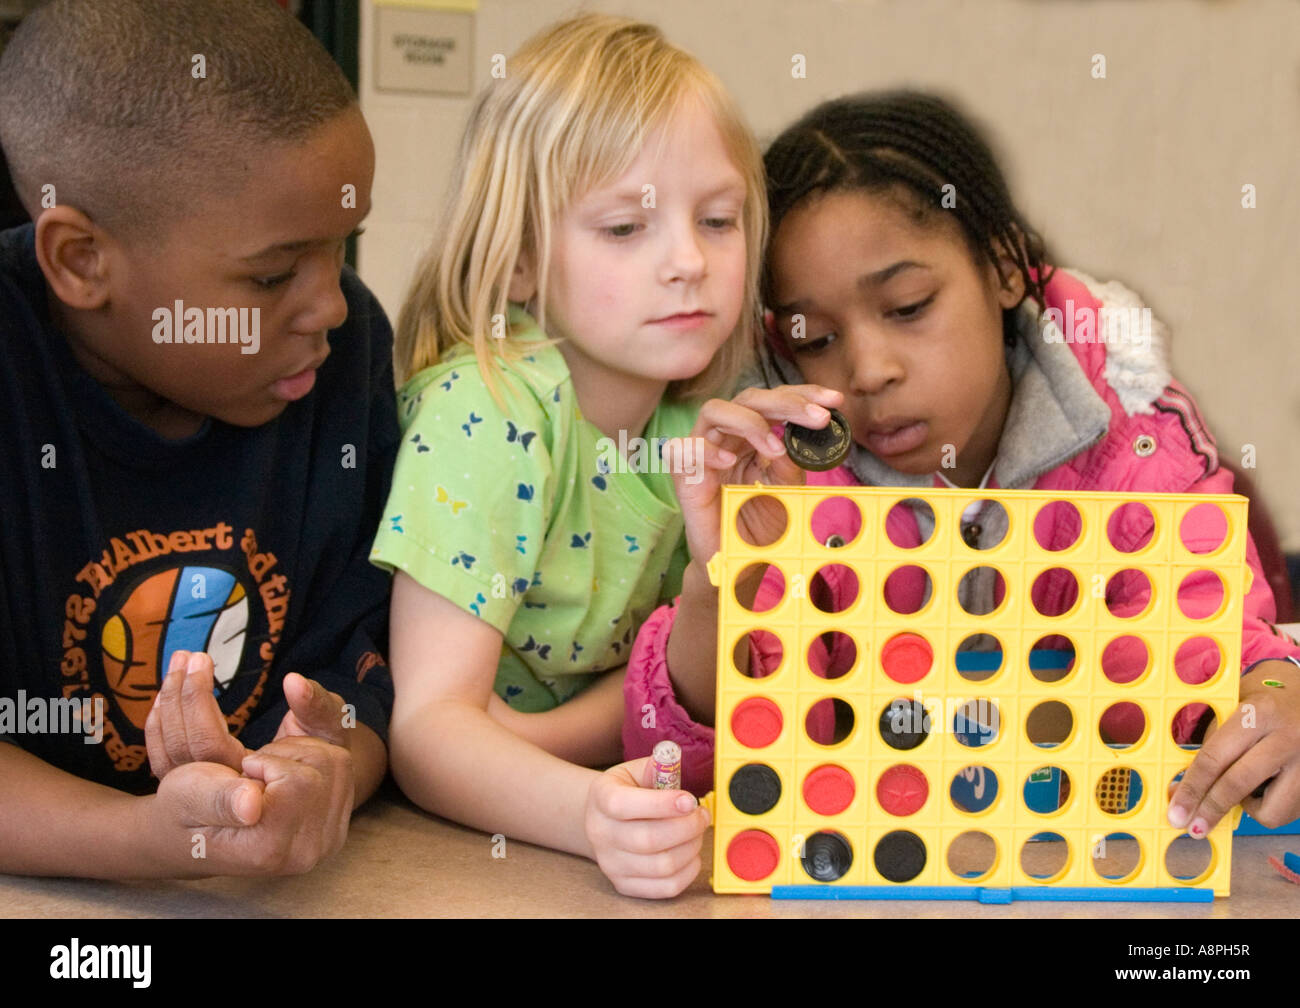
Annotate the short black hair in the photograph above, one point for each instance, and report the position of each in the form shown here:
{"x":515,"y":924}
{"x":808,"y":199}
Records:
{"x":107,"y":101}
{"x":906,"y":146}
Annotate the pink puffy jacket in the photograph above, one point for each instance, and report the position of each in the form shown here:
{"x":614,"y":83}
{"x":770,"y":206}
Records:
{"x":1184,"y":460}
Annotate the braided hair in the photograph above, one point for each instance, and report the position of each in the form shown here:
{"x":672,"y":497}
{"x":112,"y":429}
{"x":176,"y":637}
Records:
{"x":906,"y":147}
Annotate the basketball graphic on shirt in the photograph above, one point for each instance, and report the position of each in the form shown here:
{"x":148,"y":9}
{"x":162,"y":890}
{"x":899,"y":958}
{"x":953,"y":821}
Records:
{"x":182,"y":609}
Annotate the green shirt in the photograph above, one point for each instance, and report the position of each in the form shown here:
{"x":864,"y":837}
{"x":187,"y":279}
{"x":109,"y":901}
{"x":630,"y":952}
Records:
{"x":530,"y":518}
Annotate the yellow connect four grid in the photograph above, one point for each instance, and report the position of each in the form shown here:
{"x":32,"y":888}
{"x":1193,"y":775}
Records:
{"x":964,"y":808}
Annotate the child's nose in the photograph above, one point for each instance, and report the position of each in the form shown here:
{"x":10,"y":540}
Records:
{"x":684,"y":259}
{"x":875,"y":363}
{"x":325,"y":308}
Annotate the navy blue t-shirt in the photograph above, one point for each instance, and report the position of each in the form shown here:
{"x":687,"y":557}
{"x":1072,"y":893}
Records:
{"x":119,"y":547}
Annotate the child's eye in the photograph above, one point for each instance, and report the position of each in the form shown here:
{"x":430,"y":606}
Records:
{"x":812,"y":346}
{"x":720,"y":223}
{"x":270,"y":283}
{"x":621,"y":230}
{"x":911,"y":311}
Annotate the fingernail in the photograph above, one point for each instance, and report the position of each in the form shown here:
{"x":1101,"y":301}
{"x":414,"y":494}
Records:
{"x":774,"y":443}
{"x":1199,"y":828}
{"x":816,"y":412}
{"x":1178,"y":816}
{"x":687,"y":803}
{"x":241,"y":795}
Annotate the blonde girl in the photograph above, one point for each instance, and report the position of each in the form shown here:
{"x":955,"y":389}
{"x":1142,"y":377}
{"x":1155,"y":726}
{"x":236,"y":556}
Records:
{"x":594,"y":280}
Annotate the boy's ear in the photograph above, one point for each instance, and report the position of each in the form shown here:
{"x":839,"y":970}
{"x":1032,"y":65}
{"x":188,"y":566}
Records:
{"x":523,"y":282}
{"x":72,"y":253}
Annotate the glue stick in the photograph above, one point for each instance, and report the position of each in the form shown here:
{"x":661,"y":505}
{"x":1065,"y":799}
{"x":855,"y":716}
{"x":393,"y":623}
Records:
{"x":667,"y":760}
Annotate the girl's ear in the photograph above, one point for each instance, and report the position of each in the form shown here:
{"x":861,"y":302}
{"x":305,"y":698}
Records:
{"x":1010,"y":281}
{"x":523,"y":282}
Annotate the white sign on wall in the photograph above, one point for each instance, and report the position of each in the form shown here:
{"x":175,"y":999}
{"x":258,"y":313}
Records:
{"x":423,"y":50}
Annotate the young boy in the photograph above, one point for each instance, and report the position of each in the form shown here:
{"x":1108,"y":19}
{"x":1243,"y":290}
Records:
{"x":199,"y":430}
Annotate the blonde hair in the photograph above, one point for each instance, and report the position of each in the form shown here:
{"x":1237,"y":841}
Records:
{"x":573,"y":111}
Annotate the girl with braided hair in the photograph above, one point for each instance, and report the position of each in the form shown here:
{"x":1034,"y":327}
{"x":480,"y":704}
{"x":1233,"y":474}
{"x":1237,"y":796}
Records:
{"x":901,"y":274}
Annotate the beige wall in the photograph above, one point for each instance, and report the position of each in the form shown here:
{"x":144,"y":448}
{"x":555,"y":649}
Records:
{"x":1136,"y":177}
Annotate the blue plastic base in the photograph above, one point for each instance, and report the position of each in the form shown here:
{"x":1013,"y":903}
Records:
{"x":1248,"y":827}
{"x":995,"y":894}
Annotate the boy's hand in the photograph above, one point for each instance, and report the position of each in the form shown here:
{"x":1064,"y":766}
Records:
{"x":309,"y":787}
{"x":186,"y":724}
{"x":732,"y":442}
{"x":314,"y":711}
{"x":287,"y":814}
{"x":314,"y":730}
{"x":1259,"y":742}
{"x":647,"y":842}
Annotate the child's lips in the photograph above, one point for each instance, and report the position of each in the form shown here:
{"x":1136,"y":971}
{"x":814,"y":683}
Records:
{"x":896,"y":437}
{"x":683,"y":320}
{"x":295,"y":386}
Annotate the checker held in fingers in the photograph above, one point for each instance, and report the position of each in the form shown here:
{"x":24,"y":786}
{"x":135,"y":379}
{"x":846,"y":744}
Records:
{"x":819,"y":449}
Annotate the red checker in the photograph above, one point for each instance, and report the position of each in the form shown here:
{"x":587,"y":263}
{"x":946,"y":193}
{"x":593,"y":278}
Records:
{"x":902,"y":790}
{"x":756,"y":722}
{"x":829,"y":790}
{"x":907,"y":658}
{"x":752,"y":855}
